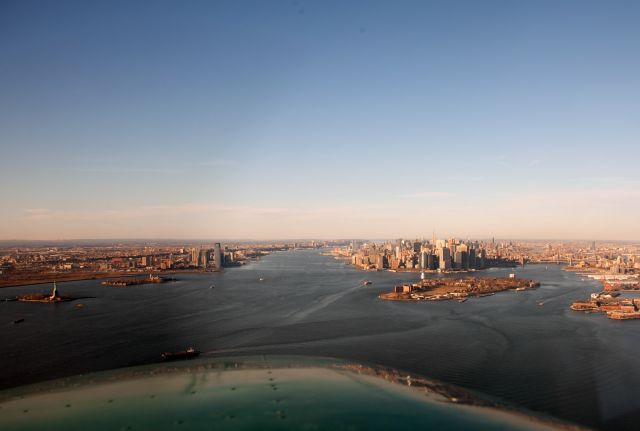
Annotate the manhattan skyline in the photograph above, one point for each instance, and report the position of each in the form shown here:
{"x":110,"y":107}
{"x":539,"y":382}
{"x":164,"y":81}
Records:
{"x":259,"y":120}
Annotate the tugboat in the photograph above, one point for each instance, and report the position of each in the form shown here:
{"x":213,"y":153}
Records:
{"x":183,"y":354}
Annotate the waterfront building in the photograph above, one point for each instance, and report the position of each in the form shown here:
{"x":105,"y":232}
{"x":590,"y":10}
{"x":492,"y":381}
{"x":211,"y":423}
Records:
{"x":457,"y":260}
{"x":146,"y":261}
{"x":431,"y":261}
{"x":472,"y":258}
{"x":217,"y":256}
{"x":203,"y":259}
{"x":444,"y":258}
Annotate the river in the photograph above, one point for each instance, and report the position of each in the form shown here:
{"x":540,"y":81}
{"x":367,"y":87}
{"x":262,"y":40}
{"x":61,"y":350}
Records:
{"x":579,"y":367}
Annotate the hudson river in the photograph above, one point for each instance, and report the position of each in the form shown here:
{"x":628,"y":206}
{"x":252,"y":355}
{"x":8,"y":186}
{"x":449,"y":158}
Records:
{"x":579,"y":367}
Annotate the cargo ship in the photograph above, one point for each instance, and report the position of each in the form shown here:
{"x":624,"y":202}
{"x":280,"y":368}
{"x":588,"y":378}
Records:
{"x":184,"y":354}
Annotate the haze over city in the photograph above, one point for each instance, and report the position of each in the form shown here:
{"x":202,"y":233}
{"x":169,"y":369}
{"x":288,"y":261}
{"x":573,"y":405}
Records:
{"x":319,"y":120}
{"x":298,"y":214}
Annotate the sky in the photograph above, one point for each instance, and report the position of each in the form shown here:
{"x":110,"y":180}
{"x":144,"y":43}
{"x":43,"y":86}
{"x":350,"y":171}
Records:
{"x":319,"y":119}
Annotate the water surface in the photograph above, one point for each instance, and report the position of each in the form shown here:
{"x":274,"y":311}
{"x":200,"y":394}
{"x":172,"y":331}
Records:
{"x":547,"y":358}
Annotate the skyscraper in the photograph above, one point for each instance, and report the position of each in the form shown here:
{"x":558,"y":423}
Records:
{"x":204,"y":254}
{"x":444,"y":257}
{"x":217,"y":256}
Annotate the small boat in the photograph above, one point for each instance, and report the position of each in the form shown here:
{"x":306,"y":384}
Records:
{"x":211,"y":287}
{"x":366,"y":283}
{"x":79,"y":305}
{"x":261,"y":279}
{"x":520,"y":289}
{"x":184,"y":354}
{"x":461,"y":300}
{"x":15,"y":322}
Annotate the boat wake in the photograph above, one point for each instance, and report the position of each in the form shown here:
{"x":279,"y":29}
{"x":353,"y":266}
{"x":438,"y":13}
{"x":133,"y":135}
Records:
{"x":319,"y":305}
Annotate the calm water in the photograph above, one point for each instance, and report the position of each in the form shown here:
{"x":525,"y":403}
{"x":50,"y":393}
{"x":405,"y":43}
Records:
{"x":575,"y":366}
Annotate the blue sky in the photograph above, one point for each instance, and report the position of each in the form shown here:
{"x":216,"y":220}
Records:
{"x":319,"y":119}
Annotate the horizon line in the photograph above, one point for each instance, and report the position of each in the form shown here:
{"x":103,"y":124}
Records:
{"x":284,"y":239}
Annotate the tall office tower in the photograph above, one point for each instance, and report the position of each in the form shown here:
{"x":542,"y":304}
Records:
{"x":217,"y":256}
{"x":379,"y":261}
{"x":457,"y":260}
{"x":472,"y":258}
{"x":397,"y":252}
{"x":431,"y":261}
{"x":416,"y":247}
{"x":194,"y":256}
{"x":203,"y":258}
{"x":445,"y":258}
{"x":423,"y":260}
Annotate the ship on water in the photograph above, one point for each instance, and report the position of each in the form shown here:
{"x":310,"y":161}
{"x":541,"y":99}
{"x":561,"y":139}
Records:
{"x":191,"y":352}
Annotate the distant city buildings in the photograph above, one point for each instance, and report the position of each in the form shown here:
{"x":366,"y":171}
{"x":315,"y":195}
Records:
{"x":420,"y":255}
{"x":434,"y":255}
{"x":21,"y":265}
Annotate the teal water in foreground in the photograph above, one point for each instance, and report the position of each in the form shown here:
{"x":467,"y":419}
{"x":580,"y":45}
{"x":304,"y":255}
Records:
{"x":579,"y":367}
{"x":313,"y":395}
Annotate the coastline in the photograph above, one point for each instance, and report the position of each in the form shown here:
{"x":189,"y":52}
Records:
{"x":459,"y":289}
{"x":93,"y":276}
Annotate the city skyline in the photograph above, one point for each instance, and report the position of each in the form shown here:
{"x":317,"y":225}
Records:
{"x":249,"y":120}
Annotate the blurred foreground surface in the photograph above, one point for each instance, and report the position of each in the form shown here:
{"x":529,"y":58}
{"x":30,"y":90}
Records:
{"x":252,"y":393}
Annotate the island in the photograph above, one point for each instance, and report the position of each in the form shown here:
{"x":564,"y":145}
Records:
{"x":438,"y":289}
{"x":133,"y":281}
{"x":52,"y":298}
{"x":612,"y":304}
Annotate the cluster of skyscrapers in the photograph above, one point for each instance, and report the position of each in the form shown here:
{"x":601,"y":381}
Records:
{"x":443,"y":255}
{"x":209,"y":258}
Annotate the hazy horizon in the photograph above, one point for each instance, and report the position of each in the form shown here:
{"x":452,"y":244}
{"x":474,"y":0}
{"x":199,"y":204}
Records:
{"x":328,"y":120}
{"x":328,"y":239}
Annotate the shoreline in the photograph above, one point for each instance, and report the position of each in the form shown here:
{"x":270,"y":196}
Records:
{"x":94,"y":276}
{"x":459,"y":289}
